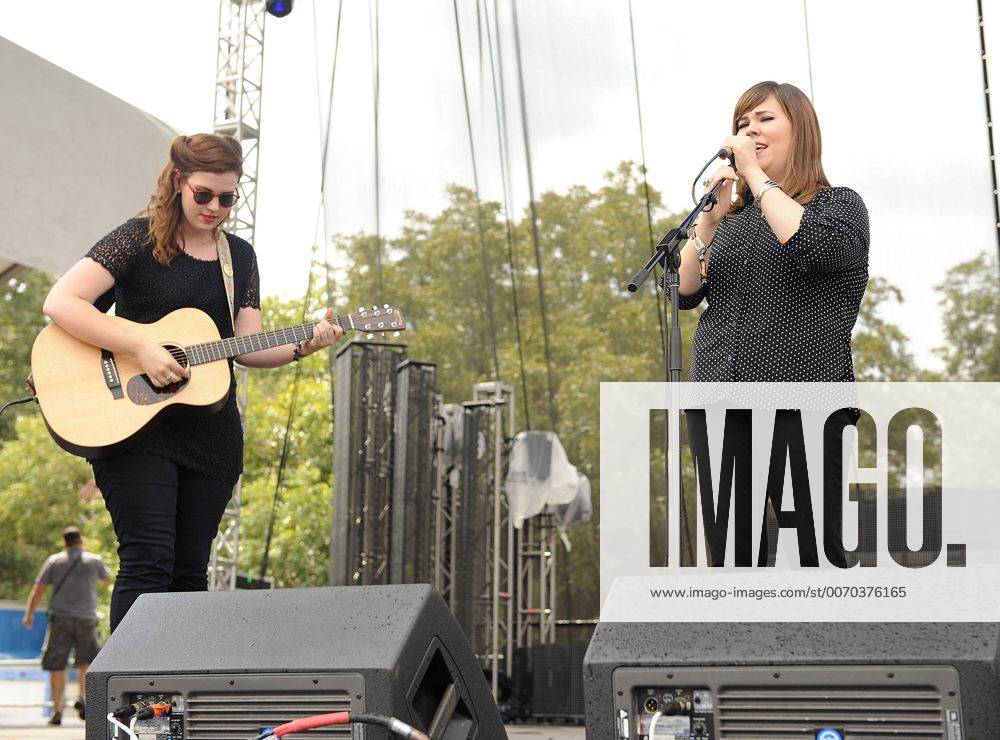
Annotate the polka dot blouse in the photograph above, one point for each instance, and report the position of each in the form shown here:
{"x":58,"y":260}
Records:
{"x":783,"y":312}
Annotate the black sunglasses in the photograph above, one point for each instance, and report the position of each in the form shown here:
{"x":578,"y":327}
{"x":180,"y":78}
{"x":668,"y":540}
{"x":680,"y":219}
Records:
{"x":204,"y":197}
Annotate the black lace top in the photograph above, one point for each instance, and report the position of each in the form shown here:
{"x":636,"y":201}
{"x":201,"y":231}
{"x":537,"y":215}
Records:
{"x":144,"y":292}
{"x":783,"y":312}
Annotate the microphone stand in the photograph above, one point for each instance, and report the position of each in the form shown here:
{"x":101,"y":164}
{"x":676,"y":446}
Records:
{"x":667,"y":254}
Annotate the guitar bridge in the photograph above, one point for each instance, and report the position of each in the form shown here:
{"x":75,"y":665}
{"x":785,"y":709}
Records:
{"x":110,"y":371}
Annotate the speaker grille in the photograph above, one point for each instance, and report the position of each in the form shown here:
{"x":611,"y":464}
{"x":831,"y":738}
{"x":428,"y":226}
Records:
{"x":868,"y":713}
{"x":550,"y":666}
{"x":214,"y":716}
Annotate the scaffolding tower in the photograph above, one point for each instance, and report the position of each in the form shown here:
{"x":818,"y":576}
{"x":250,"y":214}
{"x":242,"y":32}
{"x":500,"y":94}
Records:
{"x":536,"y":581}
{"x":482,"y":587}
{"x":363,"y":446}
{"x":447,"y":469}
{"x":413,"y":472}
{"x":239,"y":72}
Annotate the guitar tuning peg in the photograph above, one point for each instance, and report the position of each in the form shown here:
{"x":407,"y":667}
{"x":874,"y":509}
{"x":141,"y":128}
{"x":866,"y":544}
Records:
{"x":374,"y":308}
{"x":361,"y":308}
{"x":395,"y":334}
{"x":371,"y":336}
{"x":385,"y":305}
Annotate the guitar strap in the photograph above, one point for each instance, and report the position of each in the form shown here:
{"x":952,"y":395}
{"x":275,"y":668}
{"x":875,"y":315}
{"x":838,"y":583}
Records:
{"x":226,"y":263}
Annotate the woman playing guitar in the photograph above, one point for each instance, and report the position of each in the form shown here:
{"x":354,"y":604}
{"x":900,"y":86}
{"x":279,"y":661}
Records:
{"x":167,"y":493}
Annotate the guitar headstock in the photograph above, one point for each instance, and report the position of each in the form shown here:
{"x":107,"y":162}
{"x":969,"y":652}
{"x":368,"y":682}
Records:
{"x":381,"y":320}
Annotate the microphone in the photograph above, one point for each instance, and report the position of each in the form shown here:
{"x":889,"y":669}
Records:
{"x":727,"y":153}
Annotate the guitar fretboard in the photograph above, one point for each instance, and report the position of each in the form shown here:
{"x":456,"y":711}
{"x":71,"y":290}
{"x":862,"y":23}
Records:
{"x":221,"y":349}
{"x":376,"y":320}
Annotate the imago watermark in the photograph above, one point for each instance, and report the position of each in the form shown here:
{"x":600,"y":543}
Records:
{"x":847,"y":501}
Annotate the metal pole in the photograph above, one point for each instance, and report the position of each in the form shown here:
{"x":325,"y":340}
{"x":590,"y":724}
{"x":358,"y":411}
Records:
{"x":238,"y":77}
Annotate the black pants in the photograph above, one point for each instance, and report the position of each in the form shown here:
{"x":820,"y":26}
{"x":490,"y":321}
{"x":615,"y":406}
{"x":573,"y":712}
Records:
{"x":737,"y":447}
{"x":165,"y":517}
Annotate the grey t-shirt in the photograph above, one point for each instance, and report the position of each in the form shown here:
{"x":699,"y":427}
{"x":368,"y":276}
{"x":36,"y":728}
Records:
{"x":77,"y":597}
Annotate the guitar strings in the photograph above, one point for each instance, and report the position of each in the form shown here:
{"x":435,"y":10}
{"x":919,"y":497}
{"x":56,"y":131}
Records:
{"x":180,"y":355}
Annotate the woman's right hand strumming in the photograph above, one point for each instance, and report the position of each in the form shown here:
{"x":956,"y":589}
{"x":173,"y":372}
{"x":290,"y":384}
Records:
{"x":159,"y":365}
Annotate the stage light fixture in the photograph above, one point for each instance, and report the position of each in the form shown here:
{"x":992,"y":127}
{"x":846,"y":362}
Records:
{"x":279,"y":8}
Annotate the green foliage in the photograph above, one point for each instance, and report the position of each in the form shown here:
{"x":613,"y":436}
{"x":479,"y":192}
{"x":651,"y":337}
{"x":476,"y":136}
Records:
{"x":879,"y":347}
{"x":970,"y":302}
{"x":42,"y":491}
{"x":589,"y":242}
{"x":300,"y":543}
{"x":21,"y":319}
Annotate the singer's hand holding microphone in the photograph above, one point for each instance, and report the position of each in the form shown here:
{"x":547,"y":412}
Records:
{"x":712,"y":217}
{"x":744,"y":152}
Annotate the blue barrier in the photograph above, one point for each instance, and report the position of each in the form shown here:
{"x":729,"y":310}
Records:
{"x":17,"y":643}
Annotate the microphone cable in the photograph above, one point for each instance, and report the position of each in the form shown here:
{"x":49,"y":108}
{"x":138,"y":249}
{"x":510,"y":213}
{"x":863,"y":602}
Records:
{"x":724,"y":153}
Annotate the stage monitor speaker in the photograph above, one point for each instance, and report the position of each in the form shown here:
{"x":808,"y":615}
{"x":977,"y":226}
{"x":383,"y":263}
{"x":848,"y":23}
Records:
{"x":550,"y":673}
{"x":234,"y":662}
{"x":793,"y":680}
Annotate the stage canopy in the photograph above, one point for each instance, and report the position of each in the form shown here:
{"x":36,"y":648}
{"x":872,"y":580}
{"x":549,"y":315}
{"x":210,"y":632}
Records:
{"x":75,"y":159}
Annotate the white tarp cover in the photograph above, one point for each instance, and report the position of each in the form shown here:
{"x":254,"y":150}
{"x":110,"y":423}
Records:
{"x":539,"y":474}
{"x":76,"y":161}
{"x":577,"y":511}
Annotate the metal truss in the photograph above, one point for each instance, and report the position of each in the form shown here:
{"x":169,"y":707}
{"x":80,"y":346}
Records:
{"x":364,"y":408}
{"x":238,"y":76}
{"x":536,"y":581}
{"x":483,"y":585}
{"x":222,"y":564}
{"x":413,"y":489}
{"x":446,"y":497}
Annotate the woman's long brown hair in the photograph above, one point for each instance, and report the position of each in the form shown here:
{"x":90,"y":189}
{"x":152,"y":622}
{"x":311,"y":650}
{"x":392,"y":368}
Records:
{"x":803,"y":176}
{"x":213,"y":153}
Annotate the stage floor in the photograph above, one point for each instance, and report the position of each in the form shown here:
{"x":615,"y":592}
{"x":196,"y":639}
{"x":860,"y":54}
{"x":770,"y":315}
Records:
{"x":72,"y":729}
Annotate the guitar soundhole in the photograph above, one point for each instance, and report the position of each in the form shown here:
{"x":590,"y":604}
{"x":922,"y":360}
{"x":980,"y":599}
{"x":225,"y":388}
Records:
{"x":142,"y":392}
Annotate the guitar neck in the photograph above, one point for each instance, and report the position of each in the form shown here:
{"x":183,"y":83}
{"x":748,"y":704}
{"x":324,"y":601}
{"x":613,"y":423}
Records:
{"x":374,"y":321}
{"x":221,"y":349}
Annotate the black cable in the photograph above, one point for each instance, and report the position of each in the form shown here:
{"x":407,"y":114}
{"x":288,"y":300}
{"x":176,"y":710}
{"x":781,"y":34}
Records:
{"x":500,"y":111}
{"x":15,"y":403}
{"x":479,"y":207}
{"x":989,"y":121}
{"x":534,"y":220}
{"x":283,"y":459}
{"x":645,"y":188}
{"x":809,"y":64}
{"x":329,"y":109}
{"x":373,"y":32}
{"x":694,"y":185}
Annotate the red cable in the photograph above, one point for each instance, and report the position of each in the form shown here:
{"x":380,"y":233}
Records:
{"x":309,"y":723}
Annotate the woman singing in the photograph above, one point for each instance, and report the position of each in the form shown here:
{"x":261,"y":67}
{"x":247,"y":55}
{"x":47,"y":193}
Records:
{"x":783,"y":270}
{"x":167,"y":493}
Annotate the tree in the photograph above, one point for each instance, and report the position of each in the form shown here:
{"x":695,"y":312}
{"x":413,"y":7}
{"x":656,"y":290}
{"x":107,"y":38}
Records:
{"x":21,"y":319}
{"x":970,"y":301}
{"x":434,"y":271}
{"x":880,"y":352}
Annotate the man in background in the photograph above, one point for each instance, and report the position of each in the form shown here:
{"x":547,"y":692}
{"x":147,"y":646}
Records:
{"x":72,"y":616}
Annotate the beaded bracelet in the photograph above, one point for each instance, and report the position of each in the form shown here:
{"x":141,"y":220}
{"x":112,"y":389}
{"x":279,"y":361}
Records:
{"x":702,"y":262}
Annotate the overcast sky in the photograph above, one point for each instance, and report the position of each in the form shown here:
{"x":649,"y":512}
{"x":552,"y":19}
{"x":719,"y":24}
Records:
{"x":897,"y":87}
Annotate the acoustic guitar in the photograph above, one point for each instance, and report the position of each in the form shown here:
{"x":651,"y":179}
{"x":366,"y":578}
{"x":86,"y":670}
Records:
{"x":96,"y":402}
